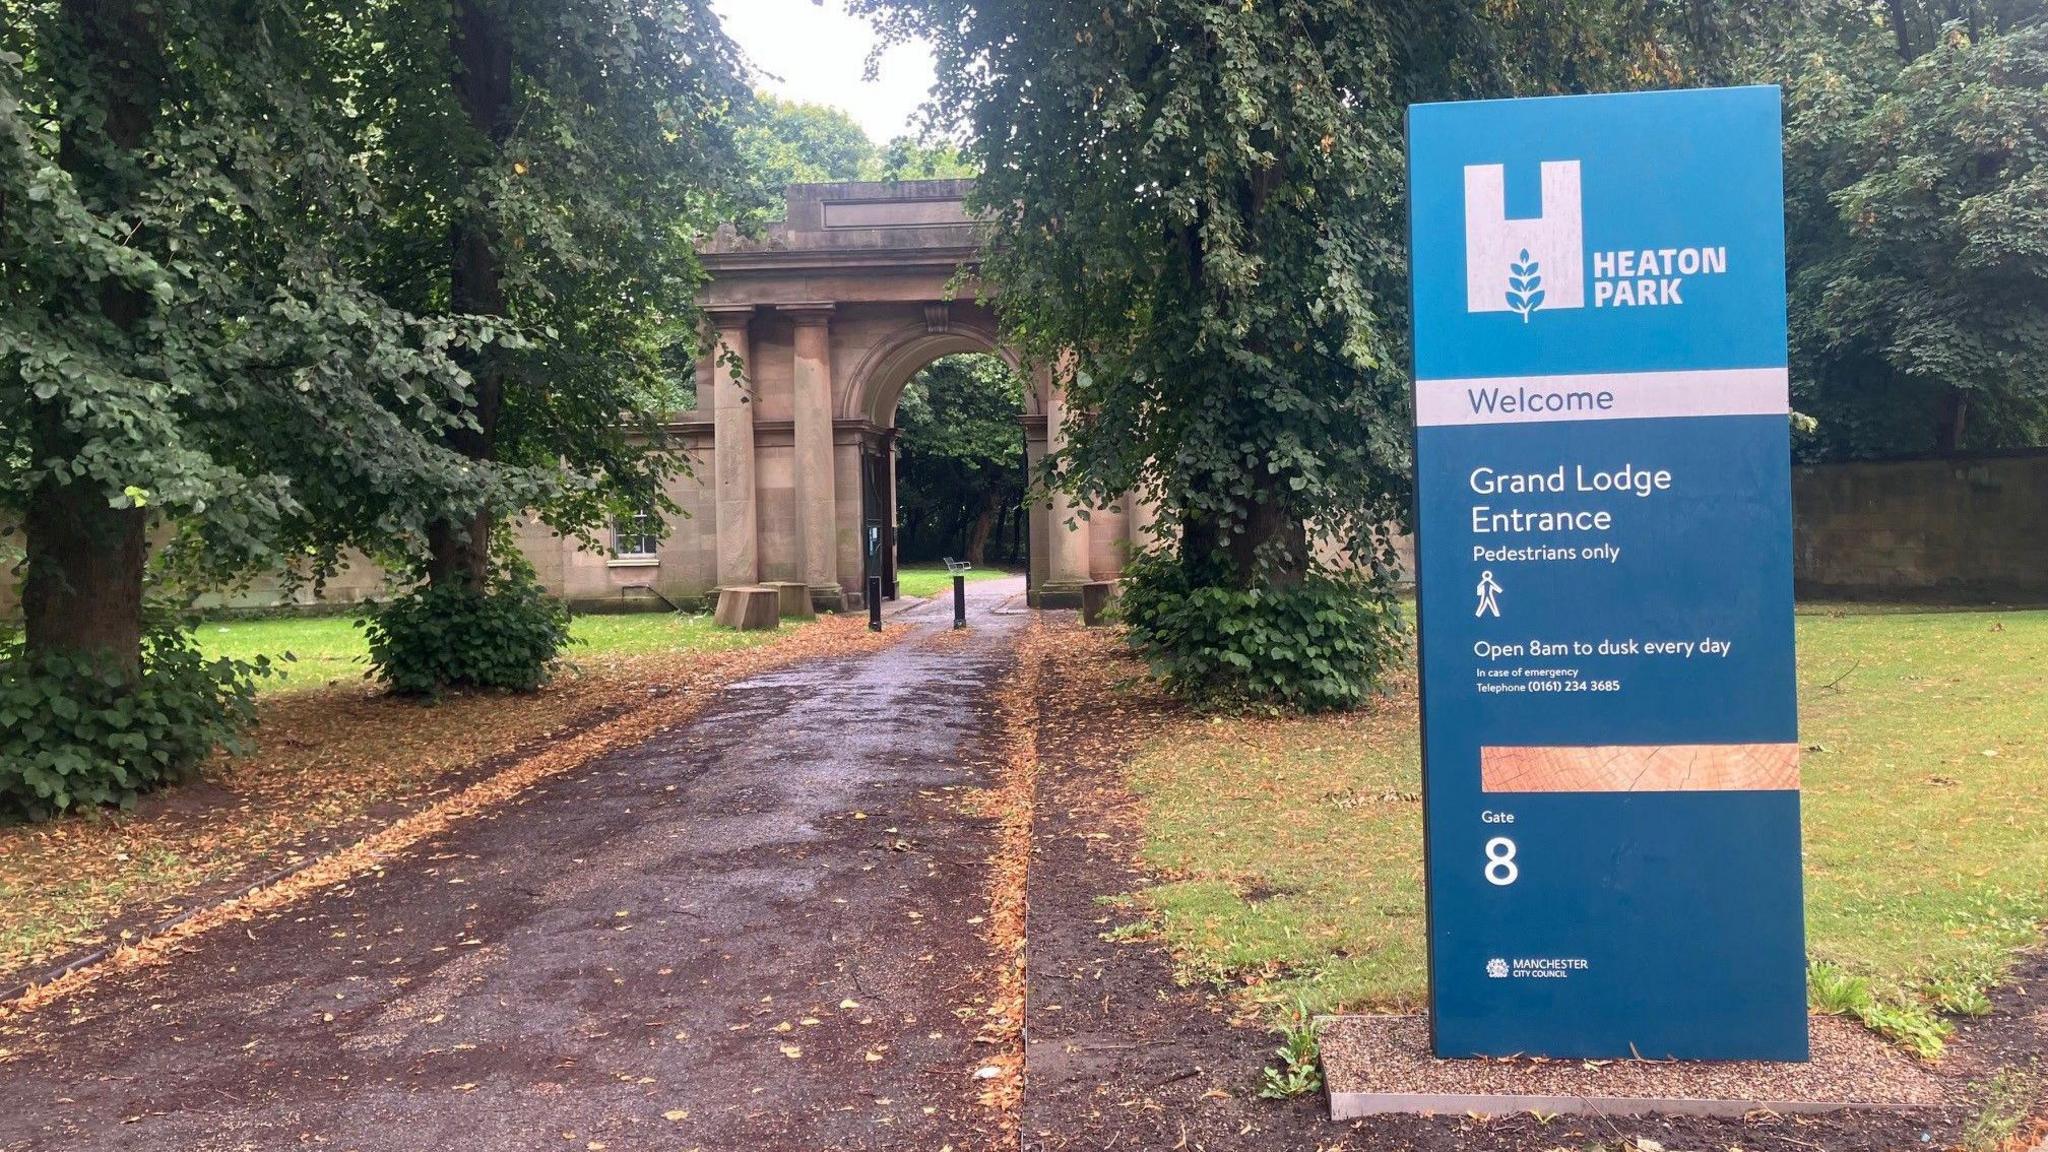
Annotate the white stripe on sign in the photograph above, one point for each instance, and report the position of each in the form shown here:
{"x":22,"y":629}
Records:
{"x":1603,"y":396}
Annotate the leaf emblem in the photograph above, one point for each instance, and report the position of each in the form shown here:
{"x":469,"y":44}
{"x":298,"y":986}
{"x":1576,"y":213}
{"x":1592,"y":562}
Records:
{"x":1525,"y":285}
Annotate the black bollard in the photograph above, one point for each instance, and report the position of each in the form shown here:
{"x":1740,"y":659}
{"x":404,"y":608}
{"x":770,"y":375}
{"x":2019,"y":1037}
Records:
{"x":959,"y":601}
{"x":874,"y":603}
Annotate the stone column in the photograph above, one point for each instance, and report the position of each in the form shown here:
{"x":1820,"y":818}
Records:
{"x":890,"y":560}
{"x":817,"y":506}
{"x":1069,"y":544}
{"x":1037,"y":513}
{"x":739,"y":553}
{"x":1143,"y":515}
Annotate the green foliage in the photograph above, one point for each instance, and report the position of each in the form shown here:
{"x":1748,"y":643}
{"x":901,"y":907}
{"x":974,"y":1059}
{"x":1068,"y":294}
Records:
{"x":1196,"y":206}
{"x":1298,"y":1069}
{"x":1910,"y":1024}
{"x":1290,"y":852}
{"x":1960,"y":995}
{"x":905,"y":158}
{"x":1834,"y":992}
{"x":1195,"y":217}
{"x":960,"y":457}
{"x":1917,"y":178}
{"x":582,"y":182}
{"x":506,"y":636}
{"x":1320,"y":644}
{"x":78,"y":734}
{"x":229,"y":289}
{"x":180,"y":326}
{"x":787,"y":142}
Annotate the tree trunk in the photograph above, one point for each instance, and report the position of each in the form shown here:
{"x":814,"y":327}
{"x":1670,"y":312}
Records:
{"x":1902,"y":31}
{"x":1213,"y":551}
{"x":1213,"y":548}
{"x":1272,"y":528}
{"x":82,"y":594}
{"x":1955,"y":414}
{"x":82,"y":597}
{"x":481,"y":45}
{"x":984,"y":523}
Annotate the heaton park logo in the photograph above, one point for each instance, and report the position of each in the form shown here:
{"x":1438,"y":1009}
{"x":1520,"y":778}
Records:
{"x":1529,"y":264}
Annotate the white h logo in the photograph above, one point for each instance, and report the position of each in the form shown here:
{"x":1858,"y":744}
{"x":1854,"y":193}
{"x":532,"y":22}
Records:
{"x":1523,"y":265}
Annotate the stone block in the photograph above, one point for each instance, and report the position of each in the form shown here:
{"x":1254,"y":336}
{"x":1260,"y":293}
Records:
{"x":749,"y":608}
{"x":1052,"y":596}
{"x":1095,"y":598}
{"x":794,"y":597}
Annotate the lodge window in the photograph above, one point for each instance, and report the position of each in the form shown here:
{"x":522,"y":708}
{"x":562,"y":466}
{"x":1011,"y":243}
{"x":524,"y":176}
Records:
{"x":634,"y":537}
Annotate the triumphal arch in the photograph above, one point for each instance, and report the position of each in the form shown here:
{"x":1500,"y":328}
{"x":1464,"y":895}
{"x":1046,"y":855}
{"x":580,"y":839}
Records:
{"x":828,"y":315}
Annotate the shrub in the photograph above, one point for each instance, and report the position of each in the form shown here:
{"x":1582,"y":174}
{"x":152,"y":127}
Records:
{"x":508,"y":635}
{"x":1322,"y":644}
{"x":78,"y":734}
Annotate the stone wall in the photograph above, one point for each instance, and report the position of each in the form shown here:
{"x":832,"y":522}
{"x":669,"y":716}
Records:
{"x":1971,"y":530}
{"x":680,"y":570}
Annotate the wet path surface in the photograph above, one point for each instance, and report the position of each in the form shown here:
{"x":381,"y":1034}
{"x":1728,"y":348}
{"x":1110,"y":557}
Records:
{"x":759,"y":930}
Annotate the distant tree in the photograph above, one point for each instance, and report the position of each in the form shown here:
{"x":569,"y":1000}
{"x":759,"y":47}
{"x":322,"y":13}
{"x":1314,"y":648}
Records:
{"x":960,"y":456}
{"x":1917,"y":27}
{"x":1917,"y":173}
{"x":786,"y":143}
{"x":907,"y":158}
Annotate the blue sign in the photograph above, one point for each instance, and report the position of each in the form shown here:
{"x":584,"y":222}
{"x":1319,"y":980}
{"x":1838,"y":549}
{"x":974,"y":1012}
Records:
{"x":1610,"y":756}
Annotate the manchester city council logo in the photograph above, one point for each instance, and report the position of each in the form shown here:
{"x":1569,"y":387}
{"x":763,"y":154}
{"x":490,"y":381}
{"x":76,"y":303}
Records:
{"x":1497,"y":968}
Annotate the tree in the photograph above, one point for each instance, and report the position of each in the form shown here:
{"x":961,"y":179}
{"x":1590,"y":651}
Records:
{"x":960,"y":456}
{"x":786,"y":142}
{"x":1196,"y":218}
{"x":1917,"y":173}
{"x":1916,"y":27}
{"x":179,"y":334}
{"x":554,"y":164}
{"x":183,"y":346}
{"x":907,"y":158}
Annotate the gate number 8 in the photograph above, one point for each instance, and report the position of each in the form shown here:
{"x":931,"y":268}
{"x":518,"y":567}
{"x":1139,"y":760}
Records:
{"x":1500,"y":862}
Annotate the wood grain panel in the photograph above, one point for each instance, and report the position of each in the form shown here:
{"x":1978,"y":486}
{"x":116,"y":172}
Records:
{"x":1641,"y":768}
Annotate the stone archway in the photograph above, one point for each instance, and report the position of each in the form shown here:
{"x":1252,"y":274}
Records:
{"x":832,"y":311}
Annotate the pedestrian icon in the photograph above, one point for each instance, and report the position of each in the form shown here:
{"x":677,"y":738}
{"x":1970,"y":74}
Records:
{"x":1489,"y":596}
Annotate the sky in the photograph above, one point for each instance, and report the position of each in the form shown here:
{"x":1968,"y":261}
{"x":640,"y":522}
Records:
{"x":816,"y":54}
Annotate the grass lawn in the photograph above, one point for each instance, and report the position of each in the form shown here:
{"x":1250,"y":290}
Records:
{"x":920,"y":581}
{"x":1291,"y":849}
{"x":330,"y":649}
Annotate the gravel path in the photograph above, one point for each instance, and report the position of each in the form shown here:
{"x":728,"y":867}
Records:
{"x":755,"y":931}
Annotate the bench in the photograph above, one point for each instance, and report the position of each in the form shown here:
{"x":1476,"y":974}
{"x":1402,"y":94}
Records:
{"x":957,"y":567}
{"x":749,"y":608}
